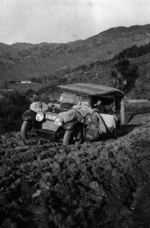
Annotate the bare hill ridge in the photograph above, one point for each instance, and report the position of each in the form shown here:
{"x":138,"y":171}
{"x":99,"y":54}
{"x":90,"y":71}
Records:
{"x":23,"y":60}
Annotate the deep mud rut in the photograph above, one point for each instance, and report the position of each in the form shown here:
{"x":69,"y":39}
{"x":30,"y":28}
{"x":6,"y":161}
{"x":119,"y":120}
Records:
{"x":102,"y":184}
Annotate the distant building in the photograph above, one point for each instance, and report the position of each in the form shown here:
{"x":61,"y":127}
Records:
{"x":25,"y":82}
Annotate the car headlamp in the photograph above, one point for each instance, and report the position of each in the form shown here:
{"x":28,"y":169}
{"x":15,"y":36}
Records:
{"x":57,"y":122}
{"x":39,"y":116}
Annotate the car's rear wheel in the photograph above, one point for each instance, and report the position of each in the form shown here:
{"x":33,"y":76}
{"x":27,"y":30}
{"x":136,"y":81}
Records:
{"x":26,"y":130}
{"x":74,"y":136}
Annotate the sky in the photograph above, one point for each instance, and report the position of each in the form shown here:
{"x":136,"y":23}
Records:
{"x":62,"y":21}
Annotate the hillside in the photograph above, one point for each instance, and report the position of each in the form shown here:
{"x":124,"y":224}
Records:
{"x":22,"y":61}
{"x":101,"y":184}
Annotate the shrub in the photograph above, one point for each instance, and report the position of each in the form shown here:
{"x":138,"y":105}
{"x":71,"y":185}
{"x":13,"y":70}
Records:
{"x":12,"y":105}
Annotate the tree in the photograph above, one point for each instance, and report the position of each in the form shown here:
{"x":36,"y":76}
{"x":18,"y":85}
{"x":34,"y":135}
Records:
{"x":124,"y":75}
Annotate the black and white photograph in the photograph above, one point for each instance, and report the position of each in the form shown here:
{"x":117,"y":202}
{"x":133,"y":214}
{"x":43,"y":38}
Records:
{"x":74,"y":114}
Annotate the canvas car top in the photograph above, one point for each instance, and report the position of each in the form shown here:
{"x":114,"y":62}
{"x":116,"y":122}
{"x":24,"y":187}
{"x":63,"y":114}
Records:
{"x":91,"y":89}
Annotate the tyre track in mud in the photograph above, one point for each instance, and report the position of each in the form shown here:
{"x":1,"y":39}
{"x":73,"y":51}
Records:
{"x":44,"y":184}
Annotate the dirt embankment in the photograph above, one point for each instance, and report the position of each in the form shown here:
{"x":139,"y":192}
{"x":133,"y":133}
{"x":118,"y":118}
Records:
{"x":103,"y":184}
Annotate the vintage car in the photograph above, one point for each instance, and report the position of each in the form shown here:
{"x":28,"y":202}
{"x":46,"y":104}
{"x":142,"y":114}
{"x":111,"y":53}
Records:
{"x":45,"y":121}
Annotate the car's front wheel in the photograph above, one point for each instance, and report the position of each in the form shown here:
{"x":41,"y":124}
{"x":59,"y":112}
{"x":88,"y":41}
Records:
{"x":74,"y":136}
{"x":26,"y":130}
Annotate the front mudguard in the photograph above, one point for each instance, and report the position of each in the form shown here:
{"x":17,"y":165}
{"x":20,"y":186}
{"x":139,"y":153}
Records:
{"x":69,"y":126}
{"x":29,"y":115}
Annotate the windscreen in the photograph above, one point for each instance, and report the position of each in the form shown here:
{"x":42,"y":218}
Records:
{"x":66,"y":97}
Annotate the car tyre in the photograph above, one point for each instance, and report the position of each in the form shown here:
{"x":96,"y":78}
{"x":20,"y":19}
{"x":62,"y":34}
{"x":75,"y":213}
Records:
{"x":26,"y":131}
{"x":74,"y":136}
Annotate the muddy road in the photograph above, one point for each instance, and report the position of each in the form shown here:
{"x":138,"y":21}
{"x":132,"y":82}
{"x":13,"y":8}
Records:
{"x":102,"y":184}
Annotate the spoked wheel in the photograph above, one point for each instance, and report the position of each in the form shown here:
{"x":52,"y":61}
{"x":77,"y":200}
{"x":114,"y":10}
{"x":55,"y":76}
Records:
{"x":26,"y":133}
{"x":74,"y":136}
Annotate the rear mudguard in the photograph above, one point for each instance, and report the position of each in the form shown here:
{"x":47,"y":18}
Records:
{"x":28,"y":115}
